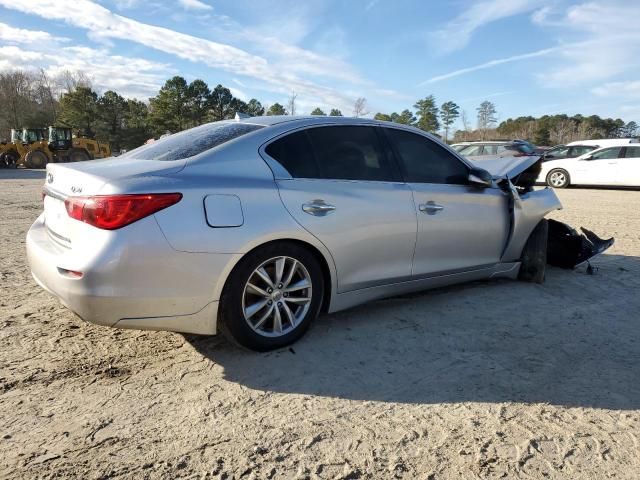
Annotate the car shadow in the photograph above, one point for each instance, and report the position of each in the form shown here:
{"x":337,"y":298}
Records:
{"x":573,"y":341}
{"x":21,"y":174}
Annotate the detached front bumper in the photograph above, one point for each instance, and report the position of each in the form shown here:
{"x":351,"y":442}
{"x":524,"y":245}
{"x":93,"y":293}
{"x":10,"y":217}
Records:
{"x":125,"y":286}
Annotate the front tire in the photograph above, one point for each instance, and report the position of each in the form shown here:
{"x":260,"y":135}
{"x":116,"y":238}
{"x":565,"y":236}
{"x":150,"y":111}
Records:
{"x":272,"y":296}
{"x":534,"y":254}
{"x":558,"y":178}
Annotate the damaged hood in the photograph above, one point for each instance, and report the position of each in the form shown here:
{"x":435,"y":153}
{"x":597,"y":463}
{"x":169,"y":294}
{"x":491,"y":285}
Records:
{"x":501,"y":167}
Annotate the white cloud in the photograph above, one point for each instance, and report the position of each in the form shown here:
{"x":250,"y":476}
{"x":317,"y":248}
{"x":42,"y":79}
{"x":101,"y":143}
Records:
{"x":490,"y":64}
{"x":371,"y":4}
{"x":282,"y":76}
{"x":630,"y":89}
{"x":610,"y":43}
{"x":130,"y":76}
{"x":541,"y":16}
{"x":457,"y":33}
{"x":21,"y":35}
{"x":194,"y":5}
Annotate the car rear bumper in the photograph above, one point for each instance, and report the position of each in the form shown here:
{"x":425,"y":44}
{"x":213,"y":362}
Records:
{"x":152,"y":288}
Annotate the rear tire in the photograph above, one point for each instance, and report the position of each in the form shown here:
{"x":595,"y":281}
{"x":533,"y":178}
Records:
{"x":263,"y":309}
{"x":534,"y":254}
{"x":78,"y":155}
{"x":558,"y":178}
{"x":36,"y":159}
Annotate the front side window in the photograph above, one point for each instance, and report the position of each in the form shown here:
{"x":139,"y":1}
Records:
{"x":191,"y":142}
{"x":490,"y":150}
{"x":424,"y":161}
{"x":350,"y":153}
{"x":607,"y":153}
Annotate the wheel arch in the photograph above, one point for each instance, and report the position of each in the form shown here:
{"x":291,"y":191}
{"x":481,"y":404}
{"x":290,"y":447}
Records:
{"x":324,"y":259}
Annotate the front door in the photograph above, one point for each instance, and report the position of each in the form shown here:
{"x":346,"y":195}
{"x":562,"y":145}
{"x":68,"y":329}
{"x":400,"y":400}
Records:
{"x":601,"y":168}
{"x":460,"y":226}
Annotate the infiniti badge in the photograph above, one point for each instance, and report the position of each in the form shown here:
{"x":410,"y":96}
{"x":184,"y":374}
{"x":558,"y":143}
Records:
{"x":76,"y":189}
{"x":49,"y":177}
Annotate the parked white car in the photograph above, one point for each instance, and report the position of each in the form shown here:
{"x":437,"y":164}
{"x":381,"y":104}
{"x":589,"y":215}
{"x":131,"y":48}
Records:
{"x":611,"y":166}
{"x":605,"y":142}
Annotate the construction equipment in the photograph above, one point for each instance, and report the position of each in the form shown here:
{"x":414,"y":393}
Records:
{"x":11,"y":152}
{"x":60,"y":145}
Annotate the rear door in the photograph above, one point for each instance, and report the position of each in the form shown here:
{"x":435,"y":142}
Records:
{"x":600,"y":169}
{"x":346,"y":191}
{"x":629,"y":167}
{"x":459,"y":226}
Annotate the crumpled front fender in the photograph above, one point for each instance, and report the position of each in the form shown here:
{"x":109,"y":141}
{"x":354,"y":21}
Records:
{"x":526,"y":211}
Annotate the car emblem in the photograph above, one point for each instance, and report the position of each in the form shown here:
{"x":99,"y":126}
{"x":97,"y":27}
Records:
{"x":49,"y":177}
{"x":76,"y":189}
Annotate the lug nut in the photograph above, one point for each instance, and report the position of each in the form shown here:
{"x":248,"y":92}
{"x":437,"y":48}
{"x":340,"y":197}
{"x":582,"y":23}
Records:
{"x":285,"y":294}
{"x":269,"y":290}
{"x":270,"y":302}
{"x":279,"y":285}
{"x":279,"y":304}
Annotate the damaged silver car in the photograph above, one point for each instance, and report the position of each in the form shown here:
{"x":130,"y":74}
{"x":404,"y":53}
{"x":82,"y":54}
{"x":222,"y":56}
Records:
{"x":255,"y":226}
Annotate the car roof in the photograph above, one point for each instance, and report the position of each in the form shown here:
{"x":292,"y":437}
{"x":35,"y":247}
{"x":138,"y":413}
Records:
{"x":269,"y":120}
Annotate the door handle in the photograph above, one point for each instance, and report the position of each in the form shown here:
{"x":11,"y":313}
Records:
{"x":430,"y":208}
{"x":318,"y":207}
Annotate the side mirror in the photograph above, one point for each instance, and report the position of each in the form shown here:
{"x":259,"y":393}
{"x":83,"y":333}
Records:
{"x":480,"y":177}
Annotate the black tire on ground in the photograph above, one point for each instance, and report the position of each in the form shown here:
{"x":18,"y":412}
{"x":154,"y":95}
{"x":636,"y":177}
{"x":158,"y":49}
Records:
{"x":558,"y":178}
{"x":78,"y":155}
{"x":36,"y":159}
{"x":534,"y":254}
{"x":231,"y":318}
{"x":9,"y":159}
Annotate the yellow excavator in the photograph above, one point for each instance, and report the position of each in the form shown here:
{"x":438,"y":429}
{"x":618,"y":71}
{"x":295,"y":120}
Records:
{"x":60,"y":145}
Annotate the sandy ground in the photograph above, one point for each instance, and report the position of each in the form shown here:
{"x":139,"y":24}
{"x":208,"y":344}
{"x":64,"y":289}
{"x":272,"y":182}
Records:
{"x":487,"y":380}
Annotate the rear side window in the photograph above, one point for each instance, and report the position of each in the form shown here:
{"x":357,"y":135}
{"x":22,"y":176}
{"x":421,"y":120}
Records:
{"x":191,"y":142}
{"x":632,"y":152}
{"x":424,"y":161}
{"x":337,"y":153}
{"x":295,"y":154}
{"x":472,"y":150}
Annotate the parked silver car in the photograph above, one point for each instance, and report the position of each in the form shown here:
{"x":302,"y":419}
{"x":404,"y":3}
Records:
{"x":255,"y":226}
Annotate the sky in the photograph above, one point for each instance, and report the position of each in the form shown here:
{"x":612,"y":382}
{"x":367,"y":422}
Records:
{"x":528,"y":57}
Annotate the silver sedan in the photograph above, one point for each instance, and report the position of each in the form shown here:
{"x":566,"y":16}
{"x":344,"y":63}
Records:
{"x":255,"y":226}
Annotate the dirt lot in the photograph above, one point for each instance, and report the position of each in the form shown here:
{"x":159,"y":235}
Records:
{"x":487,"y":380}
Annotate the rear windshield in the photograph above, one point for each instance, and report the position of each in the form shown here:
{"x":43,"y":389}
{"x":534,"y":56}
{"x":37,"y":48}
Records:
{"x":191,"y":142}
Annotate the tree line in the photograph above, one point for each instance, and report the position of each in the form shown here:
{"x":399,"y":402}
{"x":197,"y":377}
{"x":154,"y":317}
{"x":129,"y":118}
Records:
{"x":33,"y":99}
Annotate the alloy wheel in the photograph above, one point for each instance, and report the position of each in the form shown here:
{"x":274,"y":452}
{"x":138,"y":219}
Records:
{"x":277,"y":296}
{"x":557,"y":179}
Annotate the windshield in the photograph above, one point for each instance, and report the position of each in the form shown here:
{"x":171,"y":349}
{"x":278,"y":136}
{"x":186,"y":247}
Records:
{"x":191,"y":142}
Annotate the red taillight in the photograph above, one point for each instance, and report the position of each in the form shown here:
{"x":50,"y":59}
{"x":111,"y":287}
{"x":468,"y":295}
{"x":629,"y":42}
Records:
{"x":111,"y":212}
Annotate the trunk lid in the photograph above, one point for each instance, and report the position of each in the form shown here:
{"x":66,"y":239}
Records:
{"x":85,"y":179}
